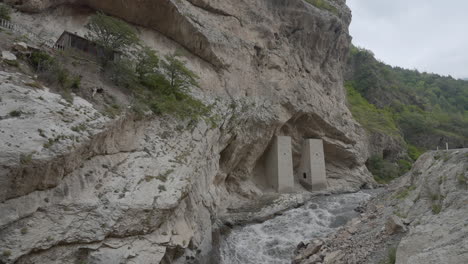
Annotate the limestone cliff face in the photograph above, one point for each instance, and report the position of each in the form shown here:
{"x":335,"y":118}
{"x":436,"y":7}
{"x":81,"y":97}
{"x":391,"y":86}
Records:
{"x":273,"y":67}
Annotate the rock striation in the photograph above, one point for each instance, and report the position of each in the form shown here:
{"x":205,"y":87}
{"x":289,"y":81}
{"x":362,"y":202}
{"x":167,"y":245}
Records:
{"x":89,"y":188}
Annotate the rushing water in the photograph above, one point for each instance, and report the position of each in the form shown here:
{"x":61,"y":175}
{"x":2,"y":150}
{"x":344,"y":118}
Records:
{"x":274,"y":241}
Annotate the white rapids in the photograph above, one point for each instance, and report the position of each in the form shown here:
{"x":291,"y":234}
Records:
{"x":274,"y":240}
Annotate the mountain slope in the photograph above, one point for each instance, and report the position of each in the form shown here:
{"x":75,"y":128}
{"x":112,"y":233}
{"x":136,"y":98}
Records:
{"x":428,"y":109}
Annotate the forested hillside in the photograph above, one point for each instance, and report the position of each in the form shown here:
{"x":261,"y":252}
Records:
{"x":424,"y":110}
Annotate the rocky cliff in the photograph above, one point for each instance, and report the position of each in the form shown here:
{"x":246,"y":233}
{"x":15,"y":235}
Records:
{"x":78,"y":186}
{"x":420,"y":219}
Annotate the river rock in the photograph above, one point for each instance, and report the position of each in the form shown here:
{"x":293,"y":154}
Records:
{"x":307,"y":251}
{"x":313,"y":248}
{"x":352,"y":229}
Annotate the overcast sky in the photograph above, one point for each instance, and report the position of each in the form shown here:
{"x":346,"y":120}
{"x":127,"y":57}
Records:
{"x":428,"y":35}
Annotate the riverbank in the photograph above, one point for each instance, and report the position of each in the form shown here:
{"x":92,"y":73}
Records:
{"x":275,"y":239}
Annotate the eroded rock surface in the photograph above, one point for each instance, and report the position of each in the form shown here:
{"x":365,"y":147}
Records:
{"x":422,"y":219}
{"x":141,"y":191}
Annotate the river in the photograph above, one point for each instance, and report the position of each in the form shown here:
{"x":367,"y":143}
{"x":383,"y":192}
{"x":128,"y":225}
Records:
{"x":275,"y":240}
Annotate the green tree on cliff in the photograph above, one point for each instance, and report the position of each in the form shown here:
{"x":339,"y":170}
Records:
{"x":111,"y":33}
{"x":5,"y":12}
{"x":179,"y":76}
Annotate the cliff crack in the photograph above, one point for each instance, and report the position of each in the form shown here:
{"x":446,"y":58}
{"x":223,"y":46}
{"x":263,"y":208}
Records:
{"x":214,"y":10}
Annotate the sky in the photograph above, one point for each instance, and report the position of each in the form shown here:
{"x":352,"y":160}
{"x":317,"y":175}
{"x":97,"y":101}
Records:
{"x":427,"y":35}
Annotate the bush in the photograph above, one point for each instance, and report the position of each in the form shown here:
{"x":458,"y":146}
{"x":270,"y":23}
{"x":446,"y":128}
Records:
{"x":391,"y":257}
{"x":15,"y":113}
{"x":383,"y":170}
{"x":52,"y":72}
{"x":414,"y":152}
{"x":404,"y":166}
{"x":75,"y":83}
{"x":161,"y":85}
{"x":405,"y":192}
{"x":148,"y":62}
{"x":25,"y":159}
{"x":461,"y":179}
{"x":122,"y":74}
{"x":41,"y":61}
{"x":5,"y":12}
{"x":436,"y":208}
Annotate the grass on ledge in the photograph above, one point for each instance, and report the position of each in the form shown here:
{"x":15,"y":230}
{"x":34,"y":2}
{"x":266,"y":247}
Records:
{"x":324,"y":5}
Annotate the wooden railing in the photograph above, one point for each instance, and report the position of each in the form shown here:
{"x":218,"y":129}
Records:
{"x":6,"y":24}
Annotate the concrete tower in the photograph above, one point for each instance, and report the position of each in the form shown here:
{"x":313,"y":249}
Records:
{"x":279,"y":165}
{"x":312,"y":173}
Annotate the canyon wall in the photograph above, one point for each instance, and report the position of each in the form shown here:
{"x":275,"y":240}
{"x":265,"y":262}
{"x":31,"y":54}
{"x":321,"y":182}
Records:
{"x":152,"y":190}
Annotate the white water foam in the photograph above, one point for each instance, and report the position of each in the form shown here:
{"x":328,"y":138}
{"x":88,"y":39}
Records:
{"x":274,"y":240}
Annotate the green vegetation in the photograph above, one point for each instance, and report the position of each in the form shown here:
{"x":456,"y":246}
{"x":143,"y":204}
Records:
{"x":368,"y":115}
{"x":418,"y":109}
{"x":51,"y":141}
{"x":112,"y":111}
{"x":113,"y":34}
{"x":53,"y":73}
{"x":405,"y":192}
{"x":404,"y":166}
{"x":5,"y":12}
{"x":160,"y":85}
{"x":79,"y":128}
{"x":6,"y":253}
{"x":391,"y":257}
{"x":163,"y":176}
{"x":12,"y":63}
{"x":35,"y":84}
{"x":437,"y":201}
{"x":16,"y":113}
{"x":414,"y":152}
{"x":384,"y":171}
{"x":324,"y":5}
{"x":399,"y":214}
{"x":436,"y":208}
{"x":422,"y":105}
{"x":434,"y":197}
{"x":461,"y":179}
{"x":25,"y":159}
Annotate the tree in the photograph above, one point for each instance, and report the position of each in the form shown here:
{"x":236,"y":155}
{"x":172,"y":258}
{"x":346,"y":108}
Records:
{"x":5,"y":12}
{"x":111,"y":33}
{"x":179,"y":76}
{"x":147,"y":63}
